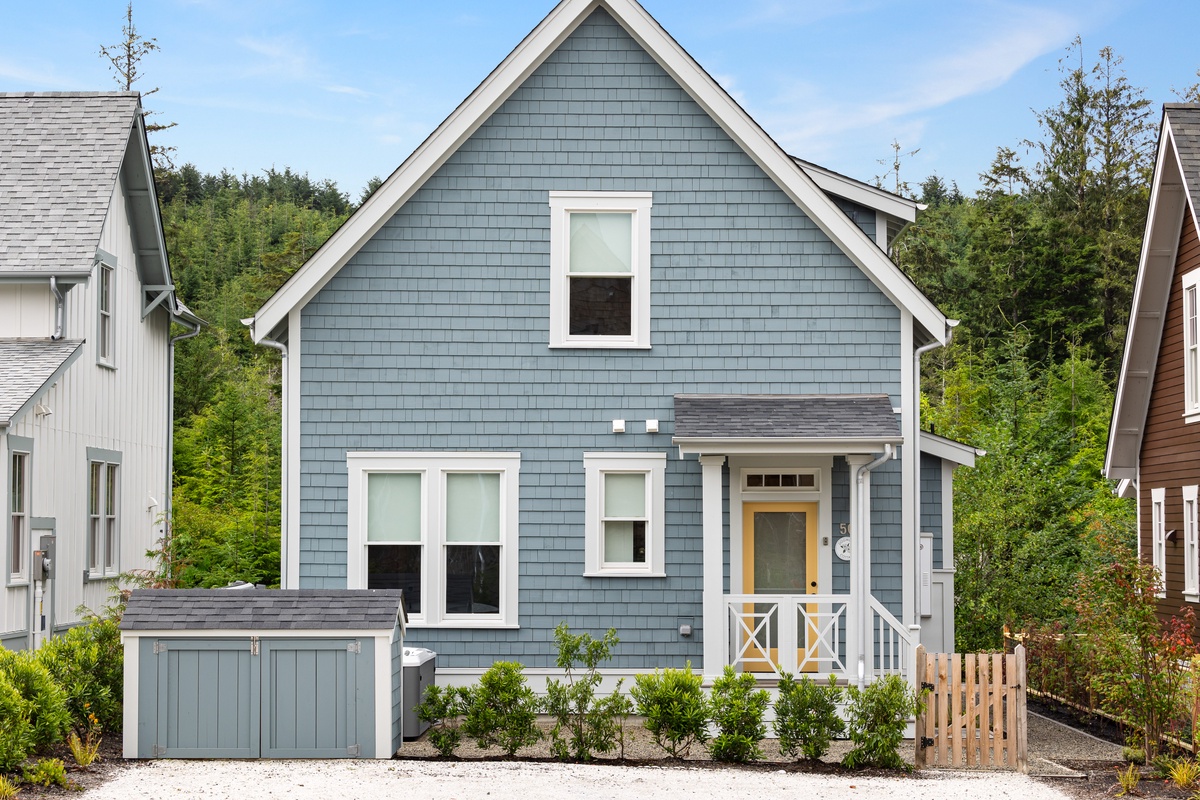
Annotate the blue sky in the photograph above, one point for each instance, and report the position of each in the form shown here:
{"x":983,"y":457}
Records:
{"x":346,"y":90}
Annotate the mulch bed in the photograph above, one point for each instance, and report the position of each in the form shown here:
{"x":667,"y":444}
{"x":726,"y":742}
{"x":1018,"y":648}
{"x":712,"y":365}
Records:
{"x":103,"y":769}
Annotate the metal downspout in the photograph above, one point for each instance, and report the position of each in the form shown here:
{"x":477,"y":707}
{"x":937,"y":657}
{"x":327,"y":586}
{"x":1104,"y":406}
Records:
{"x":58,"y":309}
{"x":860,"y":564}
{"x":170,"y":484}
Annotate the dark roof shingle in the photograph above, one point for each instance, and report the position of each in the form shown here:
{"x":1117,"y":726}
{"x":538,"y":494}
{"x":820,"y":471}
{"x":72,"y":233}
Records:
{"x":785,"y":417}
{"x":262,"y":609}
{"x":1185,"y":127}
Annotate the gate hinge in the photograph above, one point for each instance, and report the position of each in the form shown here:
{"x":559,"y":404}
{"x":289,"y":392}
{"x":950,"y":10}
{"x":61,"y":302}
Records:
{"x":352,"y":750}
{"x":354,"y":647}
{"x":926,"y":687}
{"x":158,"y":750}
{"x":926,"y":742}
{"x":159,"y":649}
{"x":253,"y":645}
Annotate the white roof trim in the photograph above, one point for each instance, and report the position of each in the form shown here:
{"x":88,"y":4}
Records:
{"x":795,"y":446}
{"x":506,"y":78}
{"x":949,"y":450}
{"x":862,"y":193}
{"x":1152,"y":292}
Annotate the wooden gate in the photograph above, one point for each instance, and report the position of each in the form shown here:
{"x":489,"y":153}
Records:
{"x":974,"y":710}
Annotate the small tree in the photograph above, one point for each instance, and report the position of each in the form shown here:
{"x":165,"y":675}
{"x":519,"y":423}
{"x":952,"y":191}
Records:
{"x":737,"y":708}
{"x":503,"y":709}
{"x":444,"y":707}
{"x":584,"y":724}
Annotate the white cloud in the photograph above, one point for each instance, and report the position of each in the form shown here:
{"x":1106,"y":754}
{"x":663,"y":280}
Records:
{"x":281,"y":56}
{"x":350,"y":90}
{"x":29,"y":77}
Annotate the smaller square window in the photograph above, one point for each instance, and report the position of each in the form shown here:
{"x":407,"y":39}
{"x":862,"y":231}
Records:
{"x":624,"y":525}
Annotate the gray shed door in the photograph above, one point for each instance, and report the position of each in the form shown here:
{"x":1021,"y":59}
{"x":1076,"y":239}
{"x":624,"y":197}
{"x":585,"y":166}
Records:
{"x":208,"y":699}
{"x":309,"y":689}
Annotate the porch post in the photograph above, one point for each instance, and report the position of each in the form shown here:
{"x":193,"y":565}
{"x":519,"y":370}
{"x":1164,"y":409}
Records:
{"x":712,"y":514}
{"x":856,"y":624}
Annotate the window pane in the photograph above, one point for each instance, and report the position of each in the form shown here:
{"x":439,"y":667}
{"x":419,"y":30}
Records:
{"x":17,"y":494}
{"x":94,"y":543}
{"x":110,"y":491}
{"x":110,"y":544}
{"x":105,"y":288}
{"x":625,"y":542}
{"x":17,"y":556}
{"x":394,"y":507}
{"x":473,"y":507}
{"x":601,"y":242}
{"x":601,"y":307}
{"x":625,"y":495}
{"x":473,"y":579}
{"x":396,"y":566}
{"x":1191,"y":315}
{"x":94,"y":490}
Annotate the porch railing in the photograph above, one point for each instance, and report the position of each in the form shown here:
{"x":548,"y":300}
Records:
{"x":794,"y":633}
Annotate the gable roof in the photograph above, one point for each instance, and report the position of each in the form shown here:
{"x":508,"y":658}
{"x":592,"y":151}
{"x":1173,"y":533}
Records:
{"x":61,"y":154}
{"x":1174,"y":195}
{"x":507,"y":77}
{"x":263,"y":609}
{"x":28,"y":366}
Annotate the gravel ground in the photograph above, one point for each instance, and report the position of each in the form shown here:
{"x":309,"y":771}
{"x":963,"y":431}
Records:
{"x":433,"y":780}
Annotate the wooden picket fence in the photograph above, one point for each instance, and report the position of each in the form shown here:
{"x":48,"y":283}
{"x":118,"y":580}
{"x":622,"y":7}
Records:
{"x":974,"y":710}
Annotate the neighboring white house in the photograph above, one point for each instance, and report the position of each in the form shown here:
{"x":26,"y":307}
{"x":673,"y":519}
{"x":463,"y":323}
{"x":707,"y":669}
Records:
{"x":86,"y":309}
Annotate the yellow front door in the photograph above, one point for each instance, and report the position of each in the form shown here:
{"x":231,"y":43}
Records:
{"x":779,"y":556}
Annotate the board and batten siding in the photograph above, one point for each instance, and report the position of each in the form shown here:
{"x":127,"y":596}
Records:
{"x":434,"y":337}
{"x":123,"y":409}
{"x":1170,"y":454}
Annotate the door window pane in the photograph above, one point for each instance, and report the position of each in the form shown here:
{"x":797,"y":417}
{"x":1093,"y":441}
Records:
{"x":473,"y":507}
{"x":780,"y":552}
{"x":394,"y":507}
{"x":396,"y":566}
{"x":473,"y":579}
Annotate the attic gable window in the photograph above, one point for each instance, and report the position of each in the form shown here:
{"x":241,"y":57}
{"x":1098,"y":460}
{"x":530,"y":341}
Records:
{"x":600,"y":269}
{"x":1191,"y":346}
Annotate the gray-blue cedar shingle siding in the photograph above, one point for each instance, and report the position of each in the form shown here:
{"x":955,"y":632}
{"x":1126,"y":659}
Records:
{"x":434,"y":337}
{"x":931,"y":504}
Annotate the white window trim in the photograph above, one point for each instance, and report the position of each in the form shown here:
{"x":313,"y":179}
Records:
{"x":561,"y":205}
{"x":433,"y":466}
{"x":1191,"y":353}
{"x":1158,"y":534}
{"x":595,"y":465}
{"x":1191,"y":546}
{"x":106,"y":459}
{"x":106,"y":358}
{"x":18,"y":577}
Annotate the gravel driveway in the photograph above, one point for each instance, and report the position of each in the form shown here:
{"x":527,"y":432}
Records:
{"x":428,"y":780}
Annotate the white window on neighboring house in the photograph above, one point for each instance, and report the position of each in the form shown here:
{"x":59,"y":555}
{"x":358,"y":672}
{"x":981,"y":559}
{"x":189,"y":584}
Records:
{"x":442,"y":527}
{"x":1191,"y":346}
{"x":104,"y":314}
{"x":624,"y":507}
{"x":104,"y":509}
{"x":18,"y":509}
{"x":1191,"y":546}
{"x":1158,"y":534}
{"x":600,"y":269}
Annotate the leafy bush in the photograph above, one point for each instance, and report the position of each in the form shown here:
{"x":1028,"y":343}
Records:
{"x":44,"y":699}
{"x":737,"y":708}
{"x":806,"y":716}
{"x":503,"y":709}
{"x":88,"y":662}
{"x":48,"y":772}
{"x":674,"y":707}
{"x":16,"y":733}
{"x":584,"y":724}
{"x":444,"y":707}
{"x":877,"y":718}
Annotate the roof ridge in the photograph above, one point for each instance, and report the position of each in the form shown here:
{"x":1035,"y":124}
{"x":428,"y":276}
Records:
{"x":35,"y":95}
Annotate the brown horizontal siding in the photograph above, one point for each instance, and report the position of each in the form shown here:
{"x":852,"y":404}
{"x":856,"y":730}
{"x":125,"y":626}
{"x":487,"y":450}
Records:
{"x":1170,"y":455}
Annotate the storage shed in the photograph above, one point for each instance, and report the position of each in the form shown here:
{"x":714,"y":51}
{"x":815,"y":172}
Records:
{"x":308,"y":673}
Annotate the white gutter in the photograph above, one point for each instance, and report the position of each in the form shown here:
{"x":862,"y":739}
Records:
{"x":861,"y":564}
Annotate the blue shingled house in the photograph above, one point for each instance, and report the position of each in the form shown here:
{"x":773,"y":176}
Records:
{"x":601,"y":352}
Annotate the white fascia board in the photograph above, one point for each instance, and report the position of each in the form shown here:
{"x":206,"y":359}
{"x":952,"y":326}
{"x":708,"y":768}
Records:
{"x":507,"y":77}
{"x":247,"y":632}
{"x":814,"y":446}
{"x":1151,"y":294}
{"x":948,"y":449}
{"x":864,"y":194}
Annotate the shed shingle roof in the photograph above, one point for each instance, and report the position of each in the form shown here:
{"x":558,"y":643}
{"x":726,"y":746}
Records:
{"x":788,"y":417}
{"x":1185,"y":126}
{"x":262,"y":609}
{"x":59,"y":157}
{"x":26,"y":366}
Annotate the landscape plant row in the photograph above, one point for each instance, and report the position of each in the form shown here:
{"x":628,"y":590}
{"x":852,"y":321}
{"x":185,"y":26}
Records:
{"x":69,"y":690}
{"x":502,"y":710}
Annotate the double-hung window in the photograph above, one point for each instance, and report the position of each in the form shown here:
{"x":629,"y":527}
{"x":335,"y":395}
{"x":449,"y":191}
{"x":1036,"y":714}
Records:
{"x":1191,"y":546}
{"x":624,"y":505}
{"x":600,"y":269}
{"x":104,"y":509}
{"x":18,"y":510}
{"x":1158,"y":535}
{"x":1191,"y":346}
{"x":440,"y":526}
{"x":104,"y":313}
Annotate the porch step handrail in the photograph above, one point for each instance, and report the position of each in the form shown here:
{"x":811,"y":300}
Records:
{"x":895,"y":646}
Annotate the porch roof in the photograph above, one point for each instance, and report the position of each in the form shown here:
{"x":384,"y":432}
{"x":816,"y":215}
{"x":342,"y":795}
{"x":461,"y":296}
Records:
{"x":716,"y":423}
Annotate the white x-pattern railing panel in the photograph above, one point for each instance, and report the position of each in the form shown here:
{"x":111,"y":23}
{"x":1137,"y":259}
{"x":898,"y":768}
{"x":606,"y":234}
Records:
{"x":786,"y":633}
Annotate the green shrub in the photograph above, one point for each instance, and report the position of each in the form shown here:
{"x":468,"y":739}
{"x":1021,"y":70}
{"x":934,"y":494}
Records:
{"x":806,"y":716}
{"x":7,"y":789}
{"x":45,"y":701}
{"x":47,"y":772}
{"x":584,"y":724}
{"x":737,"y":707}
{"x":674,"y":707}
{"x":444,"y":707}
{"x":503,"y":709}
{"x":88,"y":662}
{"x":16,"y":733}
{"x":877,"y":718}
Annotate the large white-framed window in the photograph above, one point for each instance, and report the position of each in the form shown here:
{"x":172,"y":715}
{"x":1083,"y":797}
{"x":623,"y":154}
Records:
{"x":104,"y":514}
{"x":18,"y":516}
{"x":600,"y":269}
{"x":105,"y":274}
{"x":1158,"y":534}
{"x":1191,"y":546}
{"x":441,"y":526}
{"x":624,"y":505}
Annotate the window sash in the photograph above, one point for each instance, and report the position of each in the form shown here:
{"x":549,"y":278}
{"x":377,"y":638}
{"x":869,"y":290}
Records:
{"x":104,"y":348}
{"x":104,"y":532}
{"x":1158,"y":528}
{"x":1191,"y":345}
{"x":19,"y":519}
{"x":1191,"y":542}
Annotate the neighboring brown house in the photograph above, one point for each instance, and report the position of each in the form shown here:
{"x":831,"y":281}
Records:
{"x":1154,"y":441}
